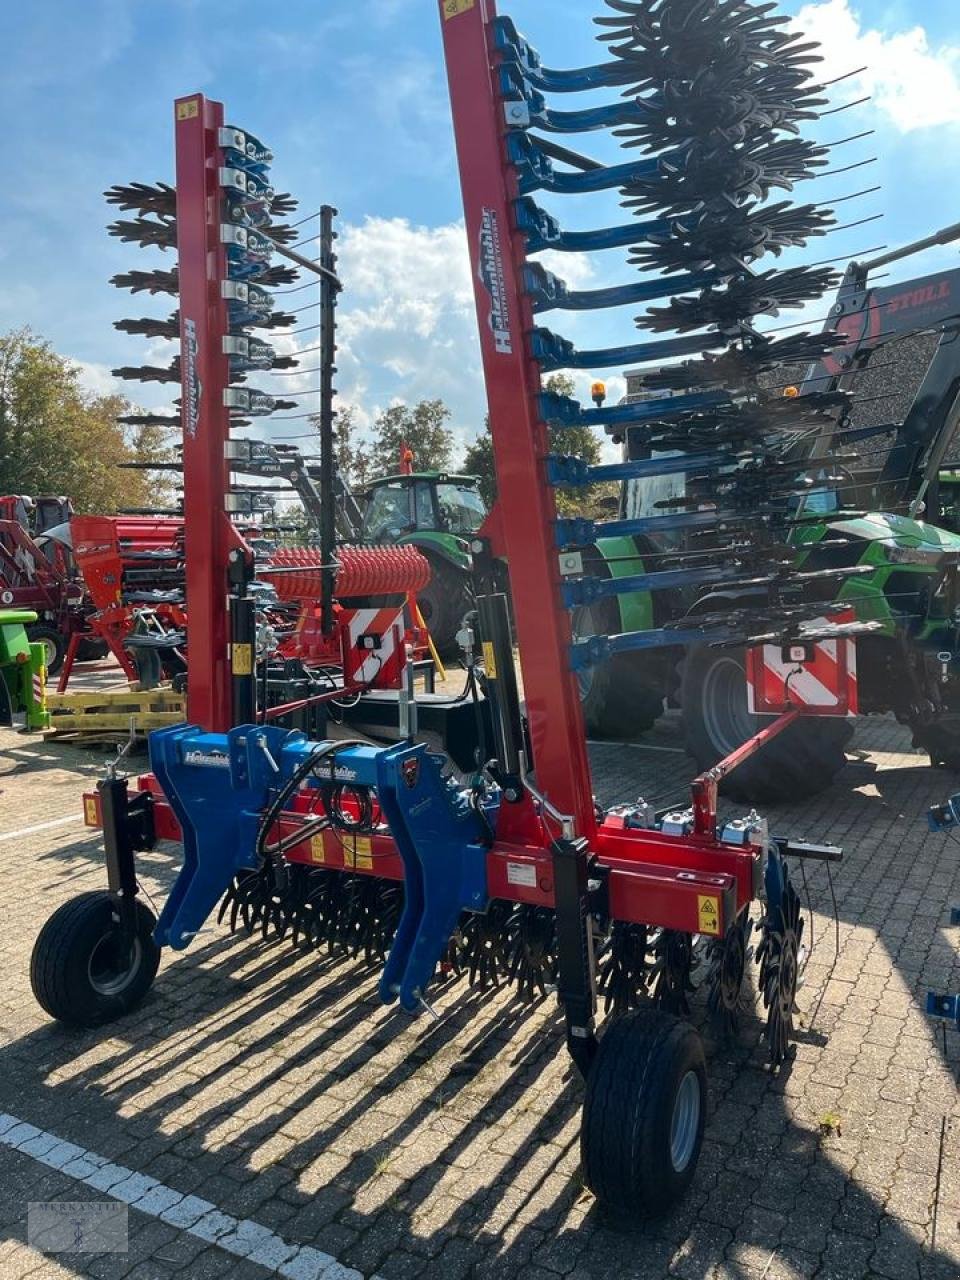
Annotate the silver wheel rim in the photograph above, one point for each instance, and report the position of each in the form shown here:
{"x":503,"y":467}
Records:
{"x":725,"y":716}
{"x":104,"y":977}
{"x":686,"y":1122}
{"x":49,"y":652}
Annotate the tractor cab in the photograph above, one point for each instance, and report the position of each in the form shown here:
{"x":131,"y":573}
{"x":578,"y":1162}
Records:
{"x":397,"y":507}
{"x":439,"y":514}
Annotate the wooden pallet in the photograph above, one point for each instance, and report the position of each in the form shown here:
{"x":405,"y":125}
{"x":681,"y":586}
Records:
{"x":113,"y":712}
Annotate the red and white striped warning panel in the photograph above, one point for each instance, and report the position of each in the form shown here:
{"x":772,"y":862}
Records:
{"x":374,"y":653}
{"x":820,"y":678}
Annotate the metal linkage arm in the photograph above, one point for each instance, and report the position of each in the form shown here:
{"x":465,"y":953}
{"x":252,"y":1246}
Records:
{"x":536,"y":172}
{"x":567,"y":472}
{"x":543,"y":231}
{"x":555,"y":352}
{"x":562,"y":411}
{"x":549,"y":292}
{"x":513,"y":47}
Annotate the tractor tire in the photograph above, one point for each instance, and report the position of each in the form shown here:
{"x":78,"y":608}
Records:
{"x":644,"y":1113}
{"x":802,"y":762}
{"x":92,"y":649}
{"x":941,"y":740}
{"x":621,"y":698}
{"x":54,"y":645}
{"x":443,"y":603}
{"x":75,"y":972}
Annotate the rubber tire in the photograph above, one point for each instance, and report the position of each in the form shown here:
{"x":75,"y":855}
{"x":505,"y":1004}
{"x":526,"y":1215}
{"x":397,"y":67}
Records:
{"x":443,"y":603}
{"x":627,"y":1114}
{"x":59,"y":966}
{"x":92,"y":650}
{"x":623,"y":699}
{"x":941,"y":741}
{"x":802,"y":762}
{"x":50,"y":636}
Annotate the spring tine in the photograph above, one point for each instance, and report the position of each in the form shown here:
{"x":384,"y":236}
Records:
{"x":623,"y":968}
{"x":532,"y":945}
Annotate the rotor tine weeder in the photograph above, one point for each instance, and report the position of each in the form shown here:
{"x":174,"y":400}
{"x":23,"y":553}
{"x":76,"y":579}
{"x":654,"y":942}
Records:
{"x":623,"y":969}
{"x":669,"y":975}
{"x":531,"y":950}
{"x":483,"y":951}
{"x":728,"y":960}
{"x":780,"y":953}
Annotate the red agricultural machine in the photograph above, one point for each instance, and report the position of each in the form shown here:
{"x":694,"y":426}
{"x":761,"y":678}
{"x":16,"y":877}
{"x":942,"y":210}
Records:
{"x":516,"y":875}
{"x":38,"y":574}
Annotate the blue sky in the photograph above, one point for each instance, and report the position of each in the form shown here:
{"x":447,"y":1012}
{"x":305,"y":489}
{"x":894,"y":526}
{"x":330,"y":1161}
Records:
{"x":352,"y":97}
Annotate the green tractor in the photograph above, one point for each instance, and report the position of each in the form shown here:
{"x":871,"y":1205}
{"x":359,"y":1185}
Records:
{"x":440,"y":514}
{"x":906,"y":578}
{"x":22,"y":671}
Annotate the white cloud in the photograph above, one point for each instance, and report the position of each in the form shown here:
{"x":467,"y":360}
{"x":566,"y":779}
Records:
{"x":97,"y":378}
{"x":913,"y":82}
{"x":407,"y":323}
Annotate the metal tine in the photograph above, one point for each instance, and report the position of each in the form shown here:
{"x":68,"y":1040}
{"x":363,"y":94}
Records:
{"x":623,"y":968}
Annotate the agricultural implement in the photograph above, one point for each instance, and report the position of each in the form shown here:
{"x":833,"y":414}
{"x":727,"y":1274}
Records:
{"x":879,"y":498}
{"x":22,"y":671}
{"x":38,"y":575}
{"x":516,"y":876}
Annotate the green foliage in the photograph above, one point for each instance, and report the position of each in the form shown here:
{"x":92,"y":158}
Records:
{"x":578,"y":442}
{"x":354,"y":456}
{"x":56,"y":438}
{"x":423,"y":428}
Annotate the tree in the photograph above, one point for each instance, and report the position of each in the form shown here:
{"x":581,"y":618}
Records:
{"x":57,"y":439}
{"x":577,"y":442}
{"x":422,"y":427}
{"x":353,"y":456}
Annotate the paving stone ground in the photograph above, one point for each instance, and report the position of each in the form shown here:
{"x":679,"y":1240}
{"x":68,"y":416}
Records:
{"x":280,"y":1090}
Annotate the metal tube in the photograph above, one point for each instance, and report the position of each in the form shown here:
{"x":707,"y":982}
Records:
{"x":328,"y":356}
{"x":946,"y":236}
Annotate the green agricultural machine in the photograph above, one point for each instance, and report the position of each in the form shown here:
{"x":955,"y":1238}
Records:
{"x":22,"y":672}
{"x":860,"y":513}
{"x":440,"y":514}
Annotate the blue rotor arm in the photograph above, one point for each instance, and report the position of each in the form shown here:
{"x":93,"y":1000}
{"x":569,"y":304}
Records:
{"x":555,"y":352}
{"x":548,"y":292}
{"x":536,"y":172}
{"x":517,"y":49}
{"x":543,"y":231}
{"x":563,"y":411}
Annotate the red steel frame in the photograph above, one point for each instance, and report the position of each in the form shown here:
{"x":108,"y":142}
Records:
{"x":206,"y":420}
{"x":527,"y":506}
{"x":694,"y":884}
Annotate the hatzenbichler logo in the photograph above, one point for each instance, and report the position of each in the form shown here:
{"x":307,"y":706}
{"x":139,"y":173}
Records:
{"x":192,"y":382}
{"x":491,"y":276}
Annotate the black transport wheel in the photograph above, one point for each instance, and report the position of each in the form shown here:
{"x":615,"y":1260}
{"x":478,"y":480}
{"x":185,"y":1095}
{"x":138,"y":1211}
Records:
{"x":443,"y":603}
{"x":941,"y":740}
{"x":803,"y":761}
{"x":54,"y":646}
{"x":644,"y":1113}
{"x":79,"y":971}
{"x":622,"y":697}
{"x":92,"y":649}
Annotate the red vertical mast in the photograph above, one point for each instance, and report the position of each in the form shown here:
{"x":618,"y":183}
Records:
{"x":520,"y":438}
{"x":206,"y":420}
